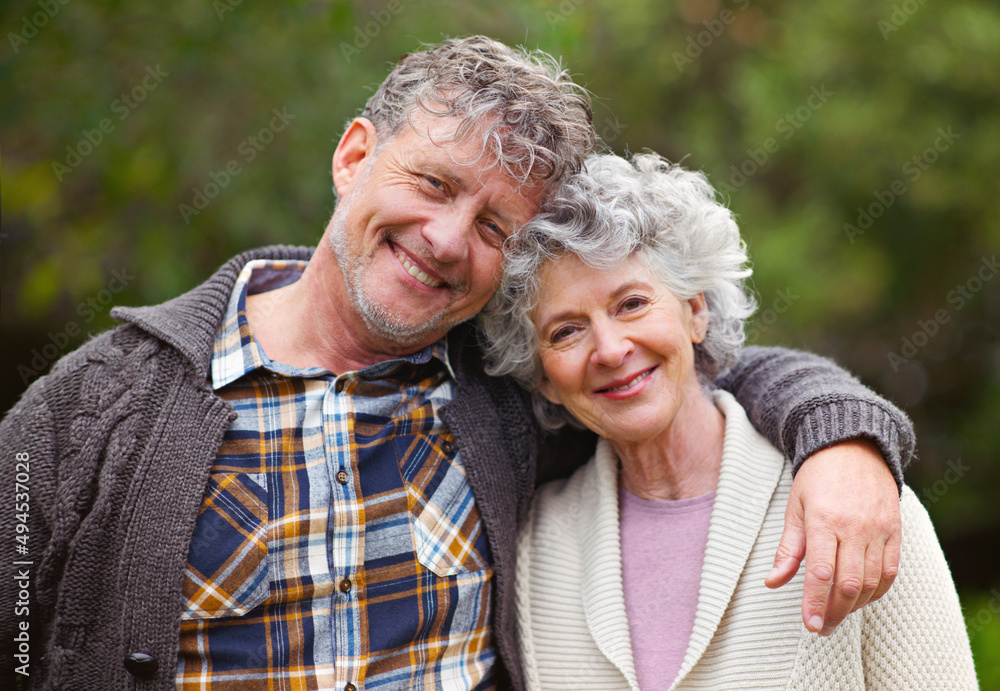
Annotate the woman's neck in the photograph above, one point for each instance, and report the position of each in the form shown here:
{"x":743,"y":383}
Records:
{"x":683,"y":461}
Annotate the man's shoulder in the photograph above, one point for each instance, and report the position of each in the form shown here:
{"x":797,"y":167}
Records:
{"x":106,"y":355}
{"x":184,"y":326}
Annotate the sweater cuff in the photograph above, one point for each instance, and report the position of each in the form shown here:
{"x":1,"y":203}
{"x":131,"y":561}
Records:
{"x":832,"y":423}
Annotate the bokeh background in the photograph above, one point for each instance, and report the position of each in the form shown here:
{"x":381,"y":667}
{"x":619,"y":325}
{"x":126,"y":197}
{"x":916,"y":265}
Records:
{"x":145,"y":143}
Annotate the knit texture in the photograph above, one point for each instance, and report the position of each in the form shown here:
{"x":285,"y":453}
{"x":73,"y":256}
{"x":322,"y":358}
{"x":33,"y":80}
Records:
{"x":122,"y":433}
{"x":574,"y":628}
{"x":809,"y":401}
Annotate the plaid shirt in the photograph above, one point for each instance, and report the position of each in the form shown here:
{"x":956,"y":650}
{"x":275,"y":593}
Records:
{"x":338,"y":545}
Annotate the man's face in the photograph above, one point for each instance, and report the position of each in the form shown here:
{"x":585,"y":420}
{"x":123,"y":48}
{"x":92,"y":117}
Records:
{"x":419,"y":231}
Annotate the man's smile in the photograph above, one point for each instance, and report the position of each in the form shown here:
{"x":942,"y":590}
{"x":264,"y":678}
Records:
{"x":414,"y":270}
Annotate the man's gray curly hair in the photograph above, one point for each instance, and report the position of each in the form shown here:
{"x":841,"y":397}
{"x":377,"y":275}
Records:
{"x":612,"y":210}
{"x":532,"y":119}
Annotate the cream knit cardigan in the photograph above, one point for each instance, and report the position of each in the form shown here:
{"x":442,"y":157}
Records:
{"x":571,"y":609}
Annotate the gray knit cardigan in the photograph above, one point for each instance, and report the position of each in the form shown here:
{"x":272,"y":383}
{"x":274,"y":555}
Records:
{"x":120,"y":437}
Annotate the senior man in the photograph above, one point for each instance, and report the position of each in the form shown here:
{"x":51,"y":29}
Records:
{"x":298,"y":476}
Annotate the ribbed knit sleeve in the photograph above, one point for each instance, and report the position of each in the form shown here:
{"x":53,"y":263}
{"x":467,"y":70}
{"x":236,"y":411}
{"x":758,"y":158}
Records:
{"x":803,"y":403}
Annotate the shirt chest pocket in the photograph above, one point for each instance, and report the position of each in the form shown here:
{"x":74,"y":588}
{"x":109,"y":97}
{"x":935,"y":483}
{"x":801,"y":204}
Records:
{"x":227,"y":572}
{"x":448,"y":535}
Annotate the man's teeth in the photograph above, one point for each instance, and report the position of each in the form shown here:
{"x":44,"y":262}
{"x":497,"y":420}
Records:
{"x":632,"y":383}
{"x":416,"y":272}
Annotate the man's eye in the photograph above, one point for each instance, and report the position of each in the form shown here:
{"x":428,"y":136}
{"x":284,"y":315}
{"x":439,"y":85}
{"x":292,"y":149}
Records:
{"x":434,"y":182}
{"x":494,"y":228}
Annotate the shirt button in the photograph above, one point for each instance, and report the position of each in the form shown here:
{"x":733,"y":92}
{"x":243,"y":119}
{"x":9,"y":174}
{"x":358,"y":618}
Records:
{"x":448,"y":448}
{"x":342,"y":477}
{"x":345,"y":585}
{"x":339,"y":386}
{"x":350,"y":687}
{"x":141,"y":664}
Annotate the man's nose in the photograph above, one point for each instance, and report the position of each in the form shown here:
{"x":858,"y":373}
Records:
{"x":447,"y":234}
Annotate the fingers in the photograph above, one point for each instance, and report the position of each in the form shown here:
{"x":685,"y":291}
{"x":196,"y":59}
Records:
{"x":890,"y":565}
{"x":792,"y":548}
{"x":849,"y":506}
{"x":872,"y":578}
{"x":848,"y":582}
{"x":821,"y":556}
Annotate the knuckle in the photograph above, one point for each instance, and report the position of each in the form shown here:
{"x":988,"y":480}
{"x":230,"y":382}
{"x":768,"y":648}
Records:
{"x":871,"y":584}
{"x":886,"y":524}
{"x":822,"y":572}
{"x":857,"y":525}
{"x":890,"y":572}
{"x":849,"y":588}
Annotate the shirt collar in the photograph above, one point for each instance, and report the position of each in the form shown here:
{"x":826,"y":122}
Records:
{"x":236,"y":351}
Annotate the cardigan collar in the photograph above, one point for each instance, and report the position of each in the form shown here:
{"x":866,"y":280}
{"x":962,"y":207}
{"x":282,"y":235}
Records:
{"x":188,"y":322}
{"x":748,"y":478}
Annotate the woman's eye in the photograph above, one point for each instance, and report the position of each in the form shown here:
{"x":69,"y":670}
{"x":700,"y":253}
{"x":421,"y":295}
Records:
{"x":561,"y":333}
{"x":632,"y":304}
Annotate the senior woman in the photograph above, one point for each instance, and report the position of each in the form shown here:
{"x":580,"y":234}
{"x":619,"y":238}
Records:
{"x":646,"y":568}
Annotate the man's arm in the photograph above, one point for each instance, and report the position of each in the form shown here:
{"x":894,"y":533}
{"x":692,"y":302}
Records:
{"x":803,"y":403}
{"x":848,"y":448}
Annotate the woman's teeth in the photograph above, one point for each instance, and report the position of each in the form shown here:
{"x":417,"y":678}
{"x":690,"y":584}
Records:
{"x":632,"y":383}
{"x":416,"y":272}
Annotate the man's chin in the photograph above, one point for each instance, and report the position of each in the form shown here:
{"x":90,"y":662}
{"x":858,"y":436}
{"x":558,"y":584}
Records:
{"x":402,"y":333}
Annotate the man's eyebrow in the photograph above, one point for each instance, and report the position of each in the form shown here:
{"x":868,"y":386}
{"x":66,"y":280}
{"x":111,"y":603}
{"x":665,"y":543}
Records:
{"x":445,"y":172}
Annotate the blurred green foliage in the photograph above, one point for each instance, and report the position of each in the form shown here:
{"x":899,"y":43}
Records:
{"x":857,"y":141}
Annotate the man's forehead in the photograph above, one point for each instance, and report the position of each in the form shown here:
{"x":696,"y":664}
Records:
{"x":473,"y":157}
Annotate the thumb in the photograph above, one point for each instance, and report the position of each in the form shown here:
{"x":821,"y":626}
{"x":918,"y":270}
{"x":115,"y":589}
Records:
{"x":792,"y":548}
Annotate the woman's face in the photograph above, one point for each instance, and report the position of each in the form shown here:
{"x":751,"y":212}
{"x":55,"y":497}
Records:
{"x":616,"y":347}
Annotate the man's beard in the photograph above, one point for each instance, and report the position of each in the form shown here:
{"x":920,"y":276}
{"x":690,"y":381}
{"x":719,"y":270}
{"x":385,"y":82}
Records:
{"x":380,"y":321}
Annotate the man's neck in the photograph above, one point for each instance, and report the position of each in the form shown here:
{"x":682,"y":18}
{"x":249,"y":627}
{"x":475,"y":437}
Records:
{"x":312,"y":323}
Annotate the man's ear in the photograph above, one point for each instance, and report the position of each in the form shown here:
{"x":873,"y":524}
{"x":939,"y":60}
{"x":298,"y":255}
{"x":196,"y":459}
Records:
{"x":354,"y":151}
{"x":699,"y":318}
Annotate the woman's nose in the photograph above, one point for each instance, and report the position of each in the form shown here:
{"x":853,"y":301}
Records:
{"x":611,"y":344}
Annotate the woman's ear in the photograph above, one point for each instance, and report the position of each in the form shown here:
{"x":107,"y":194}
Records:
{"x":699,"y":318}
{"x":352,"y":154}
{"x":545,"y":388}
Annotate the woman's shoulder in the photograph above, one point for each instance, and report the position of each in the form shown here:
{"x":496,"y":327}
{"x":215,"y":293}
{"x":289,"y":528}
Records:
{"x":566,"y":509}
